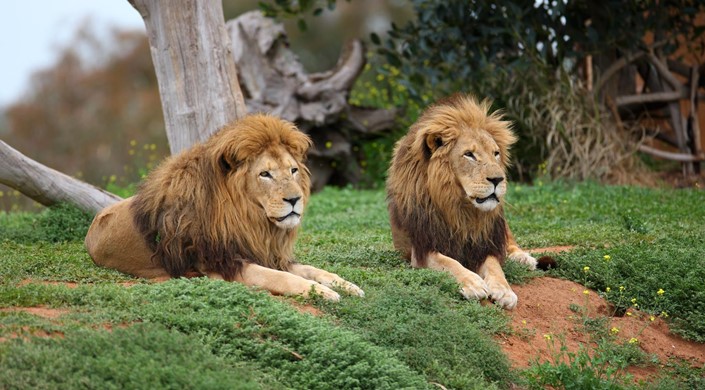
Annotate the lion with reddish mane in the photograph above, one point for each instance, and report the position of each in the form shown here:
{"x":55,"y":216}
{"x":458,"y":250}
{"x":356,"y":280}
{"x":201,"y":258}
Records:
{"x":228,"y":208}
{"x":445,"y":192}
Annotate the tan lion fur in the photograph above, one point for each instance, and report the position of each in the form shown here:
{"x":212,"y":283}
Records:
{"x":228,"y":208}
{"x":194,"y":209}
{"x":430,"y":209}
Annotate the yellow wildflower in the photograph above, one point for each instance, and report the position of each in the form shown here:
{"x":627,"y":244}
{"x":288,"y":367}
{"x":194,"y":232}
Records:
{"x":660,"y":291}
{"x":607,"y":257}
{"x":652,"y":318}
{"x":586,"y":292}
{"x":614,"y":330}
{"x":629,"y":314}
{"x":608,"y":289}
{"x":633,"y":340}
{"x":586,"y":269}
{"x":547,"y":336}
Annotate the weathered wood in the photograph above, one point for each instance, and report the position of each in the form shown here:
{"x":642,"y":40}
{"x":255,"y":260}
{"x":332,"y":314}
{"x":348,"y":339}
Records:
{"x":48,"y":186}
{"x":195,"y":69}
{"x":681,"y":157}
{"x":644,"y":98}
{"x":693,"y":115}
{"x":274,"y":80}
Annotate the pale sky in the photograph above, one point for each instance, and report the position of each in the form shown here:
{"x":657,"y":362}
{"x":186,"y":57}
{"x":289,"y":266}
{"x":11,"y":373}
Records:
{"x":33,"y":31}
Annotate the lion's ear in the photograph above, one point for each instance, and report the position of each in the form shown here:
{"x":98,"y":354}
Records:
{"x":433,"y":142}
{"x":298,"y":144}
{"x":227,"y":161}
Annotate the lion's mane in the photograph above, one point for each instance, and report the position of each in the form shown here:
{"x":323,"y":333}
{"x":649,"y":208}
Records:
{"x":194,"y":210}
{"x":425,"y":202}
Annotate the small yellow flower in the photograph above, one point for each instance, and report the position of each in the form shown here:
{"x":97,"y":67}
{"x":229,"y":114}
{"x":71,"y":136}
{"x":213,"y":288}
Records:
{"x":133,"y":143}
{"x":621,"y":288}
{"x":523,"y":322}
{"x":586,"y":269}
{"x":614,"y":330}
{"x":633,"y":340}
{"x":586,"y":292}
{"x":664,"y":314}
{"x":547,"y":336}
{"x":152,"y":146}
{"x":652,"y":318}
{"x":113,"y":178}
{"x":633,"y":300}
{"x":660,"y":291}
{"x":629,"y":314}
{"x":607,"y":257}
{"x":329,"y":144}
{"x":608,"y":289}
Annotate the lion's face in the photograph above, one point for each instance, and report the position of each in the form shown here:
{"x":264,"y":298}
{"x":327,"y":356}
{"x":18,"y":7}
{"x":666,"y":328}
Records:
{"x":275,"y":182}
{"x":476,"y":161}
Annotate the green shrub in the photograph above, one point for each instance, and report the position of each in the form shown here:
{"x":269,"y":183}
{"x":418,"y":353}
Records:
{"x":141,"y":356}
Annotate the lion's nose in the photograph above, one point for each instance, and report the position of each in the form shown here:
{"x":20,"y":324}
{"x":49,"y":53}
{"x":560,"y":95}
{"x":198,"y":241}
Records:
{"x":495,"y":180}
{"x":292,"y":201}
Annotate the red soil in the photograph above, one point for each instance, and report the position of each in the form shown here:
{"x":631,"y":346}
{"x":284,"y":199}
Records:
{"x":544,"y":311}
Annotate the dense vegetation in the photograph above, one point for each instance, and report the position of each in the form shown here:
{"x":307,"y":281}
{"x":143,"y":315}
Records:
{"x":412,"y":329}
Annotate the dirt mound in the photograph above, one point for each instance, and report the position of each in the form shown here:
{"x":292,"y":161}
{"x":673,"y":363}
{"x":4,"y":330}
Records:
{"x":544,"y":311}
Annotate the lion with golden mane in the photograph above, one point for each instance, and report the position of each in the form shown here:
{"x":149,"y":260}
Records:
{"x":228,"y":208}
{"x":445,"y":192}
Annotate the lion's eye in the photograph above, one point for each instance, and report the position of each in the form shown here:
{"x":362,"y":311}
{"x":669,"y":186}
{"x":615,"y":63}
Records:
{"x":470,"y":155}
{"x":294,"y":170}
{"x":265,"y":174}
{"x":496,"y":154}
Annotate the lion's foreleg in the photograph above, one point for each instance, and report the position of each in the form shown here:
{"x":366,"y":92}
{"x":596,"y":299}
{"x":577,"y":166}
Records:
{"x":325,"y":278}
{"x":471,"y":284}
{"x":281,"y":283}
{"x":515,"y":253}
{"x":499,"y":290}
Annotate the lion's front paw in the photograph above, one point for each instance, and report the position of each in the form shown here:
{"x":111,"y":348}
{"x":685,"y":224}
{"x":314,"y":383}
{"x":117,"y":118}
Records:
{"x":523,"y":258}
{"x":473,"y":287}
{"x":349,"y":288}
{"x":502,"y":295}
{"x":323,"y":291}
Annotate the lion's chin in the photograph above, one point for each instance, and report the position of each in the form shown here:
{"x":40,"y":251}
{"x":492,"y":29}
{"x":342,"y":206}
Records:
{"x":288,"y":222}
{"x":485,"y":204}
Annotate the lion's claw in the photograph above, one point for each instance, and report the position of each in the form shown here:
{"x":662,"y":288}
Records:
{"x":325,"y":292}
{"x":473,"y":287}
{"x":502,"y":295}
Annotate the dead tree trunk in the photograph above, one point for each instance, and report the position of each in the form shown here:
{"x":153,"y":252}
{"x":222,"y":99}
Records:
{"x":195,"y":68}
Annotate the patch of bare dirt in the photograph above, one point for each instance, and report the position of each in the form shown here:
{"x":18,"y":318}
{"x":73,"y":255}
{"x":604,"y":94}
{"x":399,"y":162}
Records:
{"x":39,"y":311}
{"x":544,"y":311}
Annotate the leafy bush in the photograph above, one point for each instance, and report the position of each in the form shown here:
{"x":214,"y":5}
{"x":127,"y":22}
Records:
{"x":141,"y":356}
{"x":59,"y":223}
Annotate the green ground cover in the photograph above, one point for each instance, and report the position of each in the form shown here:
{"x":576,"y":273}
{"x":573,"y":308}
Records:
{"x":411,"y":330}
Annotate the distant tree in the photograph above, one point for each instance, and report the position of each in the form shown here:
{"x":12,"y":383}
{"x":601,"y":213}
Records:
{"x":183,"y":35}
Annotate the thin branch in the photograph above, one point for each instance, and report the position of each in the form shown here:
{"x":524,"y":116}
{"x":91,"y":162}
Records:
{"x":644,"y":98}
{"x":682,"y":157}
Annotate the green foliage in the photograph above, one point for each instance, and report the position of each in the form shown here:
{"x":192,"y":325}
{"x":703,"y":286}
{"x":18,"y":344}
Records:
{"x":452,"y":42}
{"x":141,"y":356}
{"x":435,"y":332}
{"x":58,"y":223}
{"x":412,"y":327}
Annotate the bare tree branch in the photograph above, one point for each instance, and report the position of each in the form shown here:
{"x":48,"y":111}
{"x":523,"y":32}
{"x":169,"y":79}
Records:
{"x":682,"y":157}
{"x":48,"y":186}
